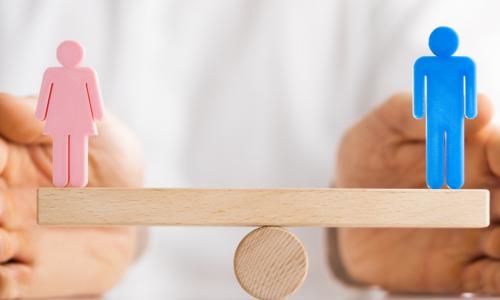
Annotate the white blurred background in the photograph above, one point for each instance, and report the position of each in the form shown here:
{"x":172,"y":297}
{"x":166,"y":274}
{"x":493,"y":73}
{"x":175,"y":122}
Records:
{"x":238,"y":94}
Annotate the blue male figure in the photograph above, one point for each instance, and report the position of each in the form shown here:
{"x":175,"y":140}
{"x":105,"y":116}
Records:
{"x":451,"y":94}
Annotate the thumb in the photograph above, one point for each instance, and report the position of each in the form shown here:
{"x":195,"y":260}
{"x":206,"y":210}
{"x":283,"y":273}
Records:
{"x":17,"y":120}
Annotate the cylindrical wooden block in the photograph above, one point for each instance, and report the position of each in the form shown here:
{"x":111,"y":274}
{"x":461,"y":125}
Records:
{"x":270,"y":263}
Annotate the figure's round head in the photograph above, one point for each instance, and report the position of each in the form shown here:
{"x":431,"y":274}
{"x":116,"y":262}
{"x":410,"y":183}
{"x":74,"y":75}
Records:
{"x":443,"y":41}
{"x":70,"y":53}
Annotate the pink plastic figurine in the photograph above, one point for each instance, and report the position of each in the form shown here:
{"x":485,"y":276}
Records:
{"x":70,"y":103}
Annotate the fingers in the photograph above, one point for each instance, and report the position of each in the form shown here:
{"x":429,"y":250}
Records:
{"x":493,"y":151}
{"x":485,"y":114}
{"x":13,"y":278}
{"x":18,"y":123}
{"x":10,"y":245}
{"x":490,"y":242}
{"x":17,"y":209}
{"x":396,"y":114}
{"x":14,"y":247}
{"x":482,"y":276}
{"x":494,"y":204}
{"x":4,"y":154}
{"x":17,"y":224}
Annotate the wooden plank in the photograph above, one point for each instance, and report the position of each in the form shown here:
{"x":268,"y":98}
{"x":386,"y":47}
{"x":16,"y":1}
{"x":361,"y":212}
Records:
{"x":260,"y":207}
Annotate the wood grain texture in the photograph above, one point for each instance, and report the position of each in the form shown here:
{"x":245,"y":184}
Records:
{"x":265,"y":207}
{"x":270,"y":263}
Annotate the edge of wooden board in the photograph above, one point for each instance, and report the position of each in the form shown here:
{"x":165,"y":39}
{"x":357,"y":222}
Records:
{"x":422,"y":208}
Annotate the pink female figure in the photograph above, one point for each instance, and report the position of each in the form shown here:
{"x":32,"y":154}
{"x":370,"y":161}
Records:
{"x":70,"y":103}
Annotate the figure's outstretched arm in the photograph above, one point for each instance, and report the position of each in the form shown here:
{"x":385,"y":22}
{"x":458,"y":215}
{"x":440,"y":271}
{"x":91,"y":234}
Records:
{"x":419,"y":89}
{"x":470,"y":89}
{"x":44,"y":96}
{"x":94,"y":94}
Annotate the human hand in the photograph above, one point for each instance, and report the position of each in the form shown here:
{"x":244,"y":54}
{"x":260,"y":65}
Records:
{"x":386,"y":149}
{"x":40,"y":261}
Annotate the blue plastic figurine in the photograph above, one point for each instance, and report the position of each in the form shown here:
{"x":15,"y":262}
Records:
{"x":451,"y":95}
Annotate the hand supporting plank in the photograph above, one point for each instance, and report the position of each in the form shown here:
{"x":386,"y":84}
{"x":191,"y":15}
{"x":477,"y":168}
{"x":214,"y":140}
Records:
{"x":387,"y":149}
{"x":32,"y":261}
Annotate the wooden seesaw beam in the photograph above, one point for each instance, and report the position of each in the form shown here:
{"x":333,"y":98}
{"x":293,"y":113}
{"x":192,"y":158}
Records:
{"x":264,"y":207}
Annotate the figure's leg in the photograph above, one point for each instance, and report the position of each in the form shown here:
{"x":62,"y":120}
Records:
{"x":455,"y":154}
{"x":435,"y":154}
{"x":60,"y":167}
{"x":78,"y":157}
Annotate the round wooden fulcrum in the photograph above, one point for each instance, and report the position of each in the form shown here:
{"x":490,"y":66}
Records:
{"x":270,"y":263}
